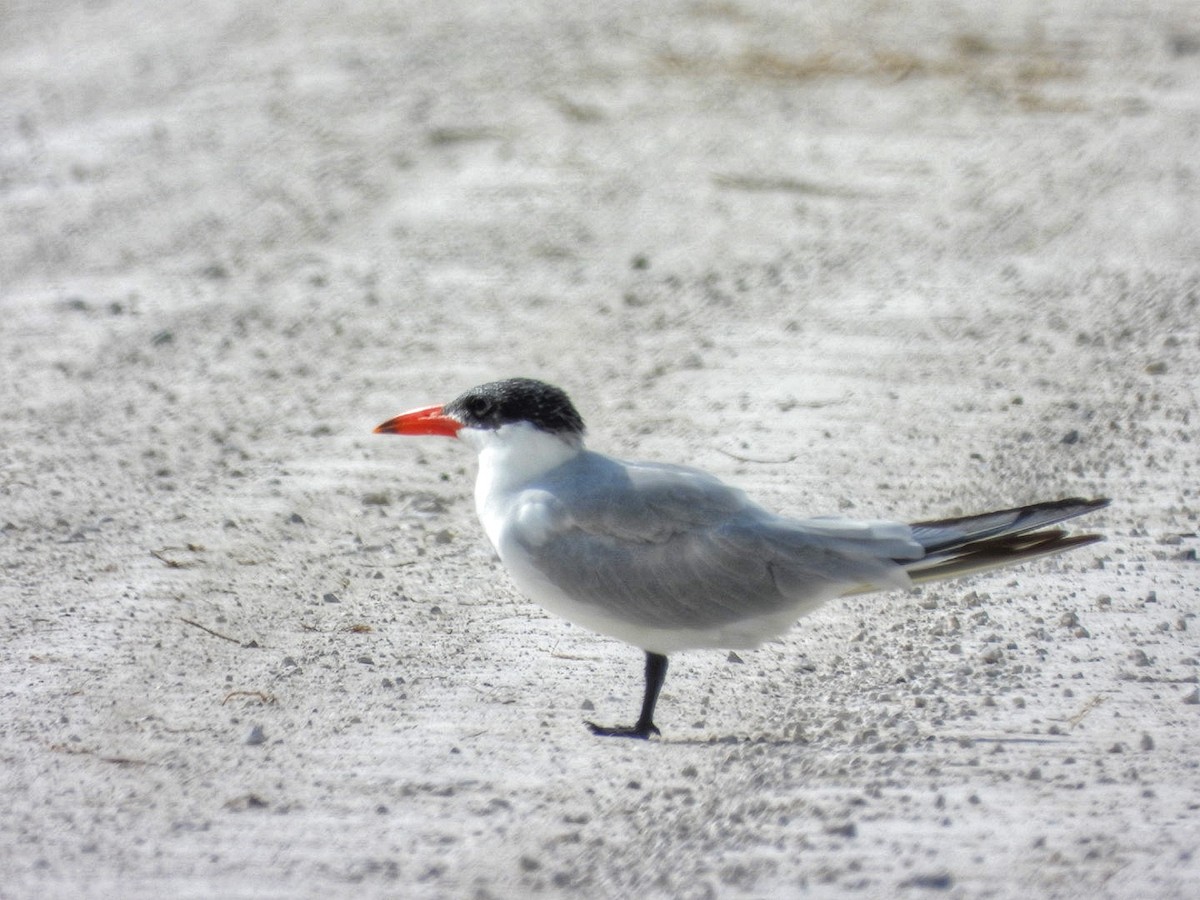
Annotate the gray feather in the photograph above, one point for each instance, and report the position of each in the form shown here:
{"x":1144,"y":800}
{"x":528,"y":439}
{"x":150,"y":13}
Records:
{"x":662,"y":546}
{"x":668,"y":547}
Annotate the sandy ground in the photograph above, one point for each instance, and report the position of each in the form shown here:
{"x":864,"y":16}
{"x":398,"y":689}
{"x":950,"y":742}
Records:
{"x":888,"y":259}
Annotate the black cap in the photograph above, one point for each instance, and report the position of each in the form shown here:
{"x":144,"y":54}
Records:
{"x":517,"y":400}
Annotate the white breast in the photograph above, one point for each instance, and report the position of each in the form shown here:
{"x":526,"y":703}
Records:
{"x":509,"y":458}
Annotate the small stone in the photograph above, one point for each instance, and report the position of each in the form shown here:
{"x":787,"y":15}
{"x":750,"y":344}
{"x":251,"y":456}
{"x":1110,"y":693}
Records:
{"x":938,"y":881}
{"x":256,"y":736}
{"x":246,"y":802}
{"x":1147,"y":742}
{"x":1193,"y":698}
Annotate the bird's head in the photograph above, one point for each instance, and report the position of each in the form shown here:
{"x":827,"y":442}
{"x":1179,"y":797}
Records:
{"x":492,"y":406}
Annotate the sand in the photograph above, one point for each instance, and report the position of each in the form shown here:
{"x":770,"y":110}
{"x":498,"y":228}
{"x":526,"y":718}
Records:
{"x":878,"y":259}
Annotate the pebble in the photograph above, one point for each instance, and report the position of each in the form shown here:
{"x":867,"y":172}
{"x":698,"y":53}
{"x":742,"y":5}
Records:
{"x":939,"y":881}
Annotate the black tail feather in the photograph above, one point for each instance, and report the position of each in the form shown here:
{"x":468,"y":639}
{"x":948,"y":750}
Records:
{"x":970,"y":544}
{"x":940,"y":535}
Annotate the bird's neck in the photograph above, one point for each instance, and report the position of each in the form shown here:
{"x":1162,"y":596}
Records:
{"x":513,"y":455}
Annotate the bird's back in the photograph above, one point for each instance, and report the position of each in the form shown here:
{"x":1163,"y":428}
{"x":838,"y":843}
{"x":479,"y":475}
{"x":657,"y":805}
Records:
{"x":657,"y":548}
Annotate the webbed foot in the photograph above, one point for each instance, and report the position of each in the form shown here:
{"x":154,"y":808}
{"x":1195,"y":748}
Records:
{"x":642,"y":730}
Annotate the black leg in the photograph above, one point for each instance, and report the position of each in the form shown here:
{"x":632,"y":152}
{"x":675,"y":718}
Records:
{"x":656,"y":674}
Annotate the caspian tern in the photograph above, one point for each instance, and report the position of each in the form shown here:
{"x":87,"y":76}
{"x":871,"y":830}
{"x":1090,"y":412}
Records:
{"x":669,"y":558}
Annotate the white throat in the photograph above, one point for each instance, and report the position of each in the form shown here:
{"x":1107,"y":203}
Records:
{"x":509,"y":458}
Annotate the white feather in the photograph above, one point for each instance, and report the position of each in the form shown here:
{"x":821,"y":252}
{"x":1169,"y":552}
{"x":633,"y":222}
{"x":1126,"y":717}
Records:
{"x":664,"y":557}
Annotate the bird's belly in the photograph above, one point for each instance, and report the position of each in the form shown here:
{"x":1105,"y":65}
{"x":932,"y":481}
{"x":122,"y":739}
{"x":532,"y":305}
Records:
{"x":744,"y":633}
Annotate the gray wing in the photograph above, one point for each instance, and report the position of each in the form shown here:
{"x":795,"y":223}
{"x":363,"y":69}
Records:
{"x":670,"y":547}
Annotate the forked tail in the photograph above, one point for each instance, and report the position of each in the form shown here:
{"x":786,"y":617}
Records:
{"x":970,"y":544}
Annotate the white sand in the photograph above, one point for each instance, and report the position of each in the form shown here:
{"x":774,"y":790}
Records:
{"x":887,"y":259}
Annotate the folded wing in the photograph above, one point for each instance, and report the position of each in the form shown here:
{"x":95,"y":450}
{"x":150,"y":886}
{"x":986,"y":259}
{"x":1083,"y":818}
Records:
{"x":667,"y":547}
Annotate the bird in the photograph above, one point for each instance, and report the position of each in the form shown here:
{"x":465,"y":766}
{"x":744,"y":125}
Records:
{"x":669,"y":558}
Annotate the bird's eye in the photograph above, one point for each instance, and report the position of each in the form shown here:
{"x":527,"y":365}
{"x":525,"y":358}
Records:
{"x":479,"y":406}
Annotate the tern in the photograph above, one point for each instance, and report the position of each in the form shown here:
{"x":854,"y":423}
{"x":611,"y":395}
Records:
{"x":667,"y":557}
